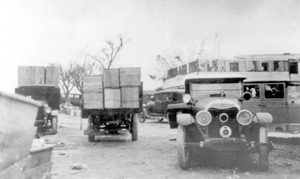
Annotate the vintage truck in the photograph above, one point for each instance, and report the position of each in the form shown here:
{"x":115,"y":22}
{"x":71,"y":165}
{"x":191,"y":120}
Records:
{"x":112,"y":102}
{"x":211,"y":119}
{"x":41,"y":84}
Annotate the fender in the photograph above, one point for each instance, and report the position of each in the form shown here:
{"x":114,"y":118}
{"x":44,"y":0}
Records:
{"x":185,"y":119}
{"x":263,"y":118}
{"x":149,"y":116}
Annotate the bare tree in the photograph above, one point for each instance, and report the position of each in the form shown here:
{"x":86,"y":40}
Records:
{"x":109,"y":54}
{"x":66,"y":78}
{"x":80,"y":70}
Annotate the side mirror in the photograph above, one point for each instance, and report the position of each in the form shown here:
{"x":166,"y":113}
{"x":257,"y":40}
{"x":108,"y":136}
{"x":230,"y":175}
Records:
{"x":246,"y":96}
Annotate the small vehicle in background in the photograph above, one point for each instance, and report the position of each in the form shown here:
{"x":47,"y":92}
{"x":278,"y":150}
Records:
{"x":156,"y":107}
{"x":212,"y":119}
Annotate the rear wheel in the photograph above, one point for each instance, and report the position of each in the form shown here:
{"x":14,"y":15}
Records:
{"x":263,"y":149}
{"x":134,"y":127}
{"x":182,"y":153}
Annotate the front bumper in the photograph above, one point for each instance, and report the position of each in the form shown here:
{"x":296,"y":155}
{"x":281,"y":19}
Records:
{"x":229,"y":144}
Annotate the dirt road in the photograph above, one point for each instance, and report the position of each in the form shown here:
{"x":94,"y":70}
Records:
{"x":153,"y":156}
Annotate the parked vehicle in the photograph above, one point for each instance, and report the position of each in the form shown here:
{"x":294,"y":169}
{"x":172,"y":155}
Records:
{"x":212,"y":119}
{"x":156,"y":107}
{"x":112,"y":102}
{"x":41,"y":84}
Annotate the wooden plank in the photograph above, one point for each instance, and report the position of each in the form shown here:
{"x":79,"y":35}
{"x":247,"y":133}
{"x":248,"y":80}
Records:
{"x":52,"y":75}
{"x":130,"y":76}
{"x":112,"y":98}
{"x":31,"y":75}
{"x":93,"y":100}
{"x":92,"y":83}
{"x":111,"y":78}
{"x":130,"y":97}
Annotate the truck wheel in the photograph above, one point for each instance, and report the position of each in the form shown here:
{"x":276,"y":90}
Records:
{"x":54,"y":124}
{"x":182,"y":153}
{"x":134,"y":127}
{"x":91,"y":138}
{"x":263,"y":149}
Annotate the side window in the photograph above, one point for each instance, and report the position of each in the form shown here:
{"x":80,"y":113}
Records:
{"x":167,"y":97}
{"x":234,"y":66}
{"x":176,"y":97}
{"x":253,"y":89}
{"x":274,"y":91}
{"x":294,"y":67}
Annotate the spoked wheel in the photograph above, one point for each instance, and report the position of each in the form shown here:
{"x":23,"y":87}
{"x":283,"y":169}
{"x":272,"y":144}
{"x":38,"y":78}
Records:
{"x":263,"y":149}
{"x":134,"y":127}
{"x":54,"y":124}
{"x":160,"y":119}
{"x":182,"y":152}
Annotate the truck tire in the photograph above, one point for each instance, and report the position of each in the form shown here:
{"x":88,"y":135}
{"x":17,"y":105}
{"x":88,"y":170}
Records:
{"x":54,"y":124}
{"x":182,"y":152}
{"x":134,"y":127}
{"x":263,"y":149}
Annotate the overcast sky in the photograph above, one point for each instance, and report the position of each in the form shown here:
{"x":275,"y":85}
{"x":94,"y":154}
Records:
{"x":43,"y":31}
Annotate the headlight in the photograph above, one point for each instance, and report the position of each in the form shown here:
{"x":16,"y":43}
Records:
{"x":47,"y":109}
{"x":186,"y":98}
{"x":203,"y":118}
{"x":244,"y":117}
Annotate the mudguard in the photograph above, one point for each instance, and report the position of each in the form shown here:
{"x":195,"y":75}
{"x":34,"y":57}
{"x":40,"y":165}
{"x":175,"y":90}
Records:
{"x":263,"y":118}
{"x":185,"y":119}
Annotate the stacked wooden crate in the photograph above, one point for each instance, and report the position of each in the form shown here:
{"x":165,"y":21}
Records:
{"x":120,"y":89}
{"x":38,"y":75}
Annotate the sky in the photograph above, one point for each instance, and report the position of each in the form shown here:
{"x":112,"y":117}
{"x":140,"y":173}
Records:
{"x":39,"y":32}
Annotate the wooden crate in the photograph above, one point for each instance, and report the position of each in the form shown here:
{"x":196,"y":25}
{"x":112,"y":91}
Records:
{"x":17,"y":118}
{"x":52,"y":75}
{"x":130,"y":97}
{"x":112,"y":98}
{"x":93,"y":100}
{"x":31,"y":75}
{"x":130,"y":76}
{"x":93,"y":92}
{"x":92,"y":83}
{"x":111,"y":78}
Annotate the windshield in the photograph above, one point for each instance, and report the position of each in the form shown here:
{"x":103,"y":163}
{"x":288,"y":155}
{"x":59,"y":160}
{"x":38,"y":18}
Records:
{"x":230,"y":89}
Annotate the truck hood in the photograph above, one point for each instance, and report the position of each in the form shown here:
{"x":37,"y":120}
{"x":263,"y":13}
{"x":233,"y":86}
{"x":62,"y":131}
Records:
{"x":218,"y":103}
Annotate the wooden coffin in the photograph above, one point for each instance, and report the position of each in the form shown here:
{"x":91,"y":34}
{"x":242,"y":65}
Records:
{"x":112,"y":98}
{"x":93,"y":92}
{"x":130,"y":97}
{"x":130,"y":76}
{"x":111,"y":78}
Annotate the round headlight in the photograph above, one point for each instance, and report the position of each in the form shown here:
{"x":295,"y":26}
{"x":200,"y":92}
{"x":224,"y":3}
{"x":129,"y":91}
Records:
{"x":244,"y":117}
{"x":47,"y":108}
{"x":203,"y":118}
{"x":186,"y":98}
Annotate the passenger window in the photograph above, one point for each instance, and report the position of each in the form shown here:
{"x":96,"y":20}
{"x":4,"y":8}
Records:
{"x":167,"y":97}
{"x":274,"y":90}
{"x":253,"y":89}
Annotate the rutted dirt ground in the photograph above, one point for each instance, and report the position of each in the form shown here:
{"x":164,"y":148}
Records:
{"x":153,"y":156}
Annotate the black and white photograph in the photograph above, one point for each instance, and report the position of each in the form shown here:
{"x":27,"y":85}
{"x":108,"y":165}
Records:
{"x":150,"y":89}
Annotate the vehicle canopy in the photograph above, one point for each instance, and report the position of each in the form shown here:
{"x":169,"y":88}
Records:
{"x":213,"y":78}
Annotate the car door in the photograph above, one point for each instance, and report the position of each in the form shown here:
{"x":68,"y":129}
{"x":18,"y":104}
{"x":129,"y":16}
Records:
{"x":255,"y":103}
{"x":275,"y":101}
